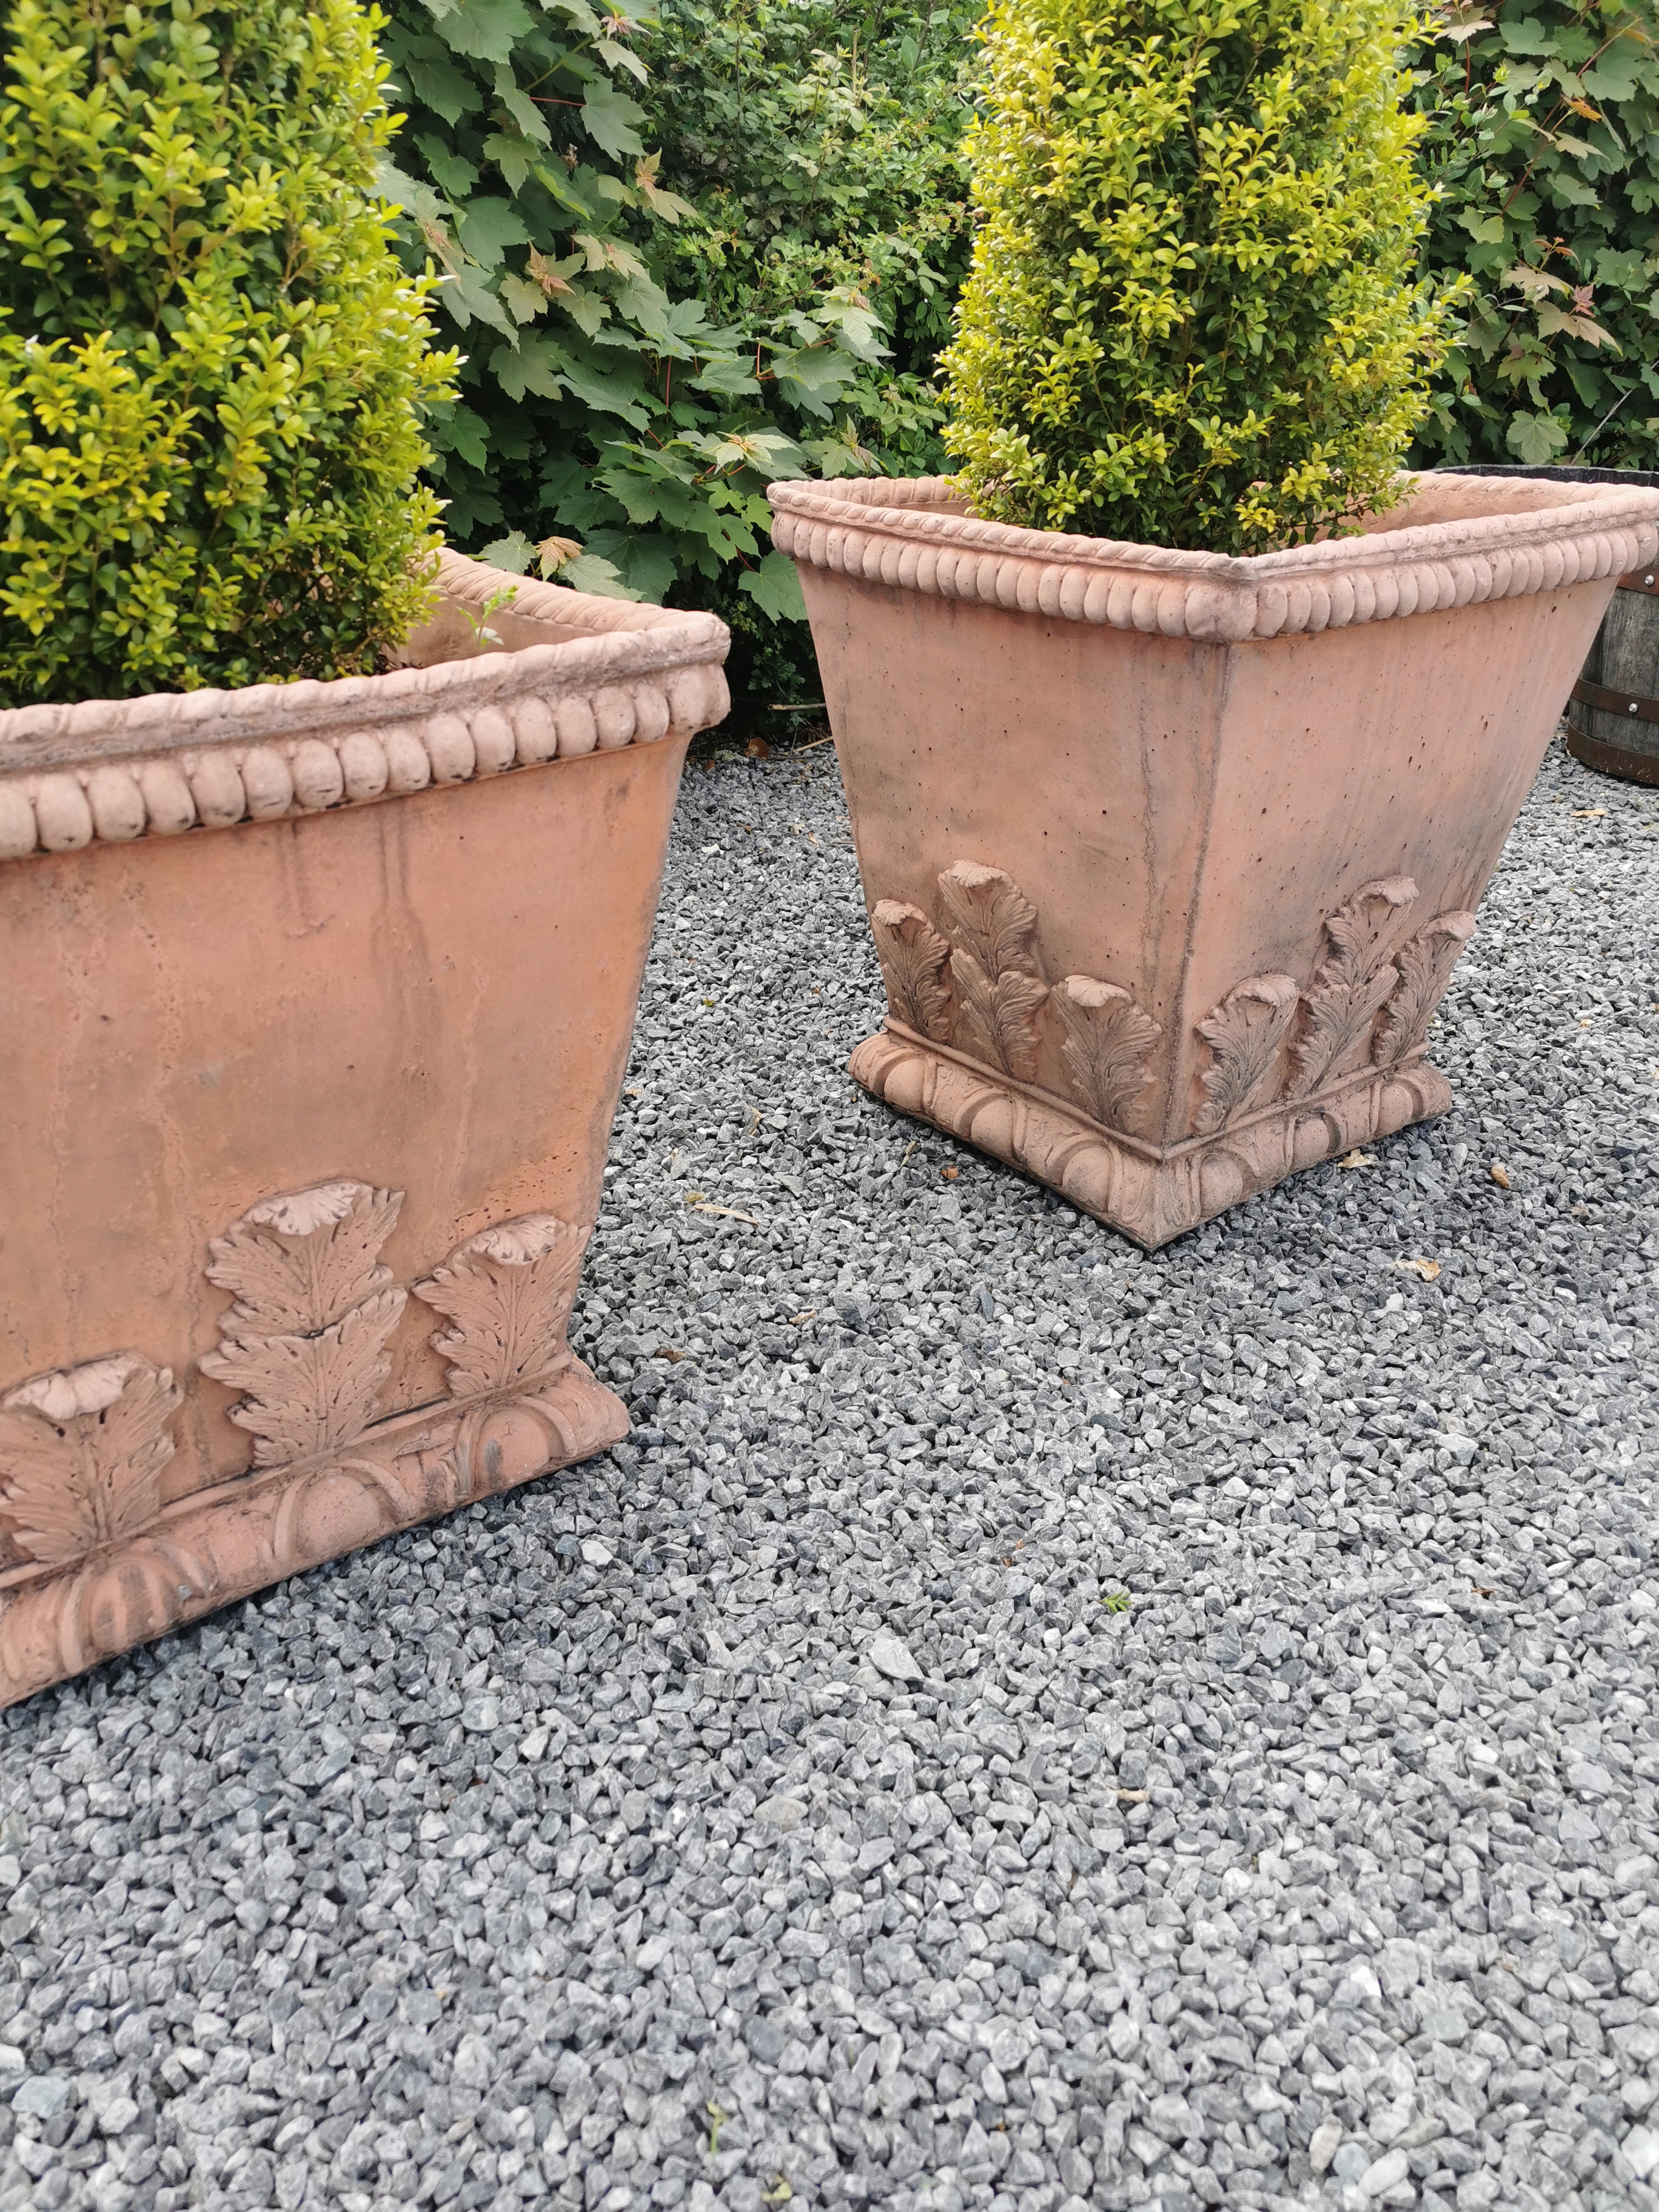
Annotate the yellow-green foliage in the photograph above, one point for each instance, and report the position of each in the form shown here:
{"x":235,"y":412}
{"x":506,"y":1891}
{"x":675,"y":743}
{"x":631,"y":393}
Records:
{"x":1192,"y":318}
{"x":211,"y":364}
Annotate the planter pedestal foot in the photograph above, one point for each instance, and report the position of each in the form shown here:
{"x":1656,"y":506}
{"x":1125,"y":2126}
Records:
{"x":1151,"y":1196}
{"x":225,"y":1543}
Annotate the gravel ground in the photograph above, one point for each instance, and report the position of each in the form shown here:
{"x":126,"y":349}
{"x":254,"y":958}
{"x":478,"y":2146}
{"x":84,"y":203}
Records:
{"x":1022,"y":1725}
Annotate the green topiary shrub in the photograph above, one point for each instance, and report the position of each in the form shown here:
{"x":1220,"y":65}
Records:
{"x":212,"y":362}
{"x":1192,"y":318}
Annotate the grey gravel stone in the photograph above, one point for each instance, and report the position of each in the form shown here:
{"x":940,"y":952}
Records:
{"x":42,"y":2097}
{"x":1226,"y":1838}
{"x":785,"y":1813}
{"x":891,"y":1657}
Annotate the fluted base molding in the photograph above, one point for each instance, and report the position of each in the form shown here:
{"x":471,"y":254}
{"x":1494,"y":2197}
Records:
{"x":219,"y":1544}
{"x":1150,"y":1196}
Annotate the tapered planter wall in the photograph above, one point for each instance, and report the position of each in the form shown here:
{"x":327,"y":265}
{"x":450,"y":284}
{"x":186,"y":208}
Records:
{"x":1168,"y":856}
{"x":316,"y":1002}
{"x":1613,"y":715}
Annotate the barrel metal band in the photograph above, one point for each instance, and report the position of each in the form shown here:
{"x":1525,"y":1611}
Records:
{"x":1612,"y":760}
{"x":1616,"y":703}
{"x":1639,"y":579}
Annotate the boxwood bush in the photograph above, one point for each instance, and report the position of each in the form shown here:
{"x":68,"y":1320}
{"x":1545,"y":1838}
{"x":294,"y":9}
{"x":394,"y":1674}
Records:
{"x":1194,"y":317}
{"x":212,"y":364}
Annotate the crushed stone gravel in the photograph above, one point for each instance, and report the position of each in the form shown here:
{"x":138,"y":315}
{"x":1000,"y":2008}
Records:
{"x":1022,"y":1725}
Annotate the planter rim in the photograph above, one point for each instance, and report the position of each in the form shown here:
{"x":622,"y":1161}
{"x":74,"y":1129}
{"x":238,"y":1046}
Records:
{"x":917,"y":533}
{"x":111,"y":771}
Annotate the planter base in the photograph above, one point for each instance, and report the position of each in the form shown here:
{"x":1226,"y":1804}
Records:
{"x":1149,"y":1195}
{"x":221,"y":1544}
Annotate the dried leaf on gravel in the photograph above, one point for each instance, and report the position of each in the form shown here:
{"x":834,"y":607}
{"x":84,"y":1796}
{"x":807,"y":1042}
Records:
{"x":1358,"y":1159}
{"x":1429,"y":1269}
{"x":1500,"y":1176}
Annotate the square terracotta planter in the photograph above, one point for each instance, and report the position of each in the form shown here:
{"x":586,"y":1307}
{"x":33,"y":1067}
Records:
{"x":1169,"y":855}
{"x":317,"y":1000}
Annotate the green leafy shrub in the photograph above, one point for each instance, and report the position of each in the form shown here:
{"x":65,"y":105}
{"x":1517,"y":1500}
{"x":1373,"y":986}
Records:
{"x":212,"y":362}
{"x":1192,"y":318}
{"x":1542,"y":139}
{"x":821,"y":147}
{"x":687,"y":255}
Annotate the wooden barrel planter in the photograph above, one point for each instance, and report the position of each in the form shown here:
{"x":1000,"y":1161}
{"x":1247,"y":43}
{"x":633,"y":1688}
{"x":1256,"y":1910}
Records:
{"x":1613,"y":721}
{"x":1613,"y":718}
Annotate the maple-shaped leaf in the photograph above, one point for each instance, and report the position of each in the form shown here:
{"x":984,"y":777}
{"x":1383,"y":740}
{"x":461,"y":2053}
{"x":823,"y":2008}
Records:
{"x":1108,"y":1038}
{"x":548,"y":275}
{"x":1353,"y":981}
{"x":991,"y":918}
{"x":915,"y":961}
{"x":669,"y":206}
{"x":1558,"y":322}
{"x":308,"y":1394}
{"x":1424,"y":964}
{"x":81,"y":1453}
{"x":1461,"y":23}
{"x":1535,"y":282}
{"x":1003,"y":1009}
{"x":508,"y":1294}
{"x":301,"y":1262}
{"x":556,"y":553}
{"x":1244,"y":1034}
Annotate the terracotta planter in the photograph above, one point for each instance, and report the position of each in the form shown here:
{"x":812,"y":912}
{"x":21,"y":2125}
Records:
{"x":1169,"y":855}
{"x":317,"y":1000}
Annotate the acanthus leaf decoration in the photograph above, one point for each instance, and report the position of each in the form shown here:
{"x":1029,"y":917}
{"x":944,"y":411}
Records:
{"x":995,"y":963}
{"x":82,"y":1452}
{"x":1107,"y":1039}
{"x":299,"y":1262}
{"x":1352,"y":982}
{"x":508,"y":1293}
{"x":306,"y":1341}
{"x":1425,"y":962}
{"x":1244,"y":1034}
{"x":1003,"y":1009}
{"x":306,"y":1394}
{"x":915,"y":961}
{"x":991,"y":918}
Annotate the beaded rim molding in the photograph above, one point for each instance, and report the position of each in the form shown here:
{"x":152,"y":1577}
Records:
{"x":919,"y":535}
{"x":113,"y":770}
